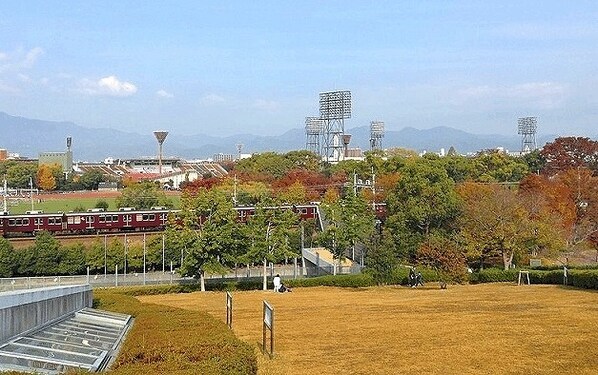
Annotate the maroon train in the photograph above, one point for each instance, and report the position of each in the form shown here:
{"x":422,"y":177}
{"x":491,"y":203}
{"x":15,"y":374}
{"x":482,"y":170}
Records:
{"x":126,"y":219}
{"x":99,"y":221}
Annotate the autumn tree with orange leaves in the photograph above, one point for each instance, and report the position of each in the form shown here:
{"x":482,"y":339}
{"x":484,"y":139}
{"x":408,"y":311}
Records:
{"x":570,"y":153}
{"x":45,"y":178}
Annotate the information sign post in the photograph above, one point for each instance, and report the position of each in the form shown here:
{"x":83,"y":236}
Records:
{"x":268,"y":325}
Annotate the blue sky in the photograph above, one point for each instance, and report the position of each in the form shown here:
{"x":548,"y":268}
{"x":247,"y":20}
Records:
{"x":230,"y":67}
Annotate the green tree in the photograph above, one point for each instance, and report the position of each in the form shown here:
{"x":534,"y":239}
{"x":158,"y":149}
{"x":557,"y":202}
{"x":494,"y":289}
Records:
{"x":443,"y":255}
{"x":46,"y":252}
{"x":350,"y":222}
{"x":90,"y":180}
{"x":7,"y":259}
{"x":19,"y":173}
{"x":207,"y":232}
{"x":499,"y":167}
{"x":72,"y":260}
{"x":143,"y":195}
{"x":102,"y":204}
{"x":381,"y":259}
{"x":267,"y":234}
{"x":493,"y":223}
{"x":424,"y":200}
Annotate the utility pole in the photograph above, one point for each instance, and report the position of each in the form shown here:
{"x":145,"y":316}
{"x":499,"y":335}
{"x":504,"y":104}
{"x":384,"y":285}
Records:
{"x":31,"y":191}
{"x":4,"y":196}
{"x":235,"y":191}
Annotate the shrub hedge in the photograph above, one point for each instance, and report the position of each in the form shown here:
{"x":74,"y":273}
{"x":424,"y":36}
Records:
{"x":494,"y":275}
{"x":174,"y":341}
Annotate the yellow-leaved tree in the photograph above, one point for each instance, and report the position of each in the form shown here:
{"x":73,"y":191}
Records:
{"x":45,"y":178}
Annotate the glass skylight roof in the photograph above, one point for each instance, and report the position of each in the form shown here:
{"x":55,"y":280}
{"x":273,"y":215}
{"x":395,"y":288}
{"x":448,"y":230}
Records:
{"x":87,"y":339}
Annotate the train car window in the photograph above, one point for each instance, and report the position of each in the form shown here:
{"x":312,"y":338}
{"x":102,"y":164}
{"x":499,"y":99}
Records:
{"x":102,"y":219}
{"x":54,"y":220}
{"x":152,"y":217}
{"x":139,"y":217}
{"x":115,"y":218}
{"x":18,"y":222}
{"x":304,"y":210}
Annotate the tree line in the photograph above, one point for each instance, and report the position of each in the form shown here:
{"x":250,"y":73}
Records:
{"x":447,"y":213}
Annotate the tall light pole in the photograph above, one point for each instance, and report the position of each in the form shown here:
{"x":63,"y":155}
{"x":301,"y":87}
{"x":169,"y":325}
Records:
{"x":31,"y":191}
{"x":105,"y":256}
{"x":5,"y":206}
{"x":160,"y":137}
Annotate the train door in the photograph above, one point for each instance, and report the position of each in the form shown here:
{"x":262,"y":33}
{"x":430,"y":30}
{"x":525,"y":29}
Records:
{"x":163,"y":219}
{"x":38,"y":223}
{"x":89,"y":221}
{"x":64,"y":222}
{"x":127,"y":219}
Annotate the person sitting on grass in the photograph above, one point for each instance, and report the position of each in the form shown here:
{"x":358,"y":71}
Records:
{"x":277,"y":283}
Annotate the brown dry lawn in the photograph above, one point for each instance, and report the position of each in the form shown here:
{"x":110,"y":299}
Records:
{"x":469,"y":329}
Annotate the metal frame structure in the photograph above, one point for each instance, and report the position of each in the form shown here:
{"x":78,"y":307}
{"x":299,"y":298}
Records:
{"x":527,"y":127}
{"x":335,"y":107}
{"x":376,"y":134}
{"x":314,"y":129}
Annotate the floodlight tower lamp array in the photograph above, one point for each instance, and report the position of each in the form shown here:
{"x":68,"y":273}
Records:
{"x":527,"y":127}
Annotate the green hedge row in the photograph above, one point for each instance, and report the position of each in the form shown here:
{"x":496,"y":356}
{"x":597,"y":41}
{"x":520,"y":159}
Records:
{"x":554,"y":267}
{"x":586,"y":279}
{"x":493,"y":275}
{"x":175,"y":341}
{"x":580,"y":278}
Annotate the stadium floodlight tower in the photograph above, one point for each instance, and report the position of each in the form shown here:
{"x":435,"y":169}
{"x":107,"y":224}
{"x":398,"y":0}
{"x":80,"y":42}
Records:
{"x":160,"y":137}
{"x":527,"y":129}
{"x":335,"y":107}
{"x":376,"y":135}
{"x":314,"y":128}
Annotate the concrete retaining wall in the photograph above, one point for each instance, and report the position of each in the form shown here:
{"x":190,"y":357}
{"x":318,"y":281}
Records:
{"x":24,"y":310}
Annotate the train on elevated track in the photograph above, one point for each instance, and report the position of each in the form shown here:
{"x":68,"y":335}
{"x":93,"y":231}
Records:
{"x":97,"y":221}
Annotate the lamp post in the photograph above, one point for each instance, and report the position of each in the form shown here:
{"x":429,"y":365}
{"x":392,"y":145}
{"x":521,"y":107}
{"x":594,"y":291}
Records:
{"x":31,"y":191}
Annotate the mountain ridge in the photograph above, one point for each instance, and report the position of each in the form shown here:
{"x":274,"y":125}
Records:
{"x":29,"y":137}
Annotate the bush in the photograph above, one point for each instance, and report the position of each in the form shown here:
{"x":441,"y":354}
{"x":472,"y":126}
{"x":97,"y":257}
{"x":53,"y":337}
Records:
{"x":494,"y":275}
{"x":350,"y":281}
{"x":169,"y":340}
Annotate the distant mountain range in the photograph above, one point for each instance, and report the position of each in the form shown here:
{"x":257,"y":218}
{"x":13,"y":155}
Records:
{"x":30,"y":137}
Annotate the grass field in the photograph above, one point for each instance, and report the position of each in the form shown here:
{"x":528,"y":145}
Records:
{"x":66,"y":202}
{"x":466,"y":329}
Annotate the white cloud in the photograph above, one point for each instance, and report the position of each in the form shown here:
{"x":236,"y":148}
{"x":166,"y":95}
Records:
{"x":107,"y":86}
{"x":8,"y":89}
{"x":266,"y":105}
{"x":3,"y":56}
{"x":164,"y":94}
{"x":24,"y":77}
{"x":211,"y":99}
{"x":31,"y":57}
{"x":541,"y":94}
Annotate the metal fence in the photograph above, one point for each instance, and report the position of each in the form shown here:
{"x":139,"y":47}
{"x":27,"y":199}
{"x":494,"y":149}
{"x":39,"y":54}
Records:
{"x":309,"y":265}
{"x":149,"y":278}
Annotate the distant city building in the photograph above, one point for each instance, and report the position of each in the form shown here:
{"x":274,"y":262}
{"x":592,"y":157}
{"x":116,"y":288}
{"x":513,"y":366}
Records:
{"x":219,"y":158}
{"x":62,"y":158}
{"x":174,"y":171}
{"x":107,"y":186}
{"x":3,"y":154}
